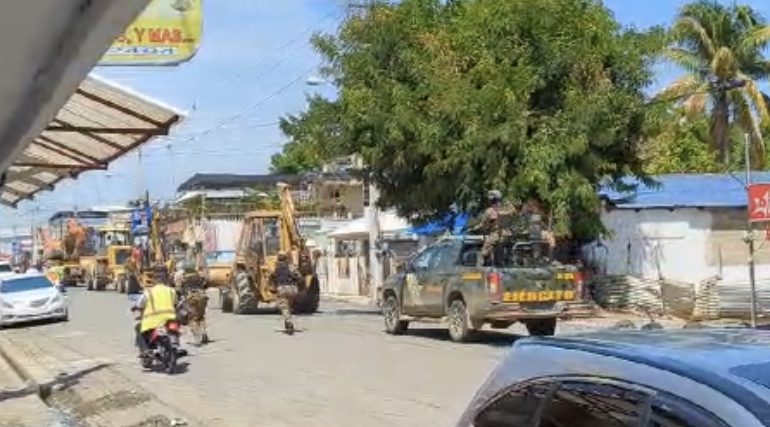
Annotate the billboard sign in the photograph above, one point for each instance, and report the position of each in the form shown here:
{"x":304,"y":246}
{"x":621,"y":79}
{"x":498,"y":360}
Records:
{"x":759,"y":202}
{"x":168,"y":32}
{"x":140,"y":220}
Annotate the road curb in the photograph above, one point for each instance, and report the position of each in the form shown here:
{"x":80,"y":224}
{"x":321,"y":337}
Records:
{"x":61,"y":384}
{"x":17,"y":367}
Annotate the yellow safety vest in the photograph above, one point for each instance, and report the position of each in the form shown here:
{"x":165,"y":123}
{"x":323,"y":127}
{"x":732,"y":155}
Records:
{"x":159,"y":307}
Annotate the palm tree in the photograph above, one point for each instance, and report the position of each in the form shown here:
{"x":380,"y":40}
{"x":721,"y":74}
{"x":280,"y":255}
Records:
{"x":721,"y":49}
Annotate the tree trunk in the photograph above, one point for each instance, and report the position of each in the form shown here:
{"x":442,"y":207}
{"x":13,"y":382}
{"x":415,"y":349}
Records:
{"x":719,"y":128}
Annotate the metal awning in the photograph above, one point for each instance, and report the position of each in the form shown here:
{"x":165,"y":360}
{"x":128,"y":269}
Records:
{"x":98,"y":124}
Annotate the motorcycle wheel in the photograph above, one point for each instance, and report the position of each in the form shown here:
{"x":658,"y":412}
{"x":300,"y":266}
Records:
{"x":146,"y":362}
{"x":169,"y":358}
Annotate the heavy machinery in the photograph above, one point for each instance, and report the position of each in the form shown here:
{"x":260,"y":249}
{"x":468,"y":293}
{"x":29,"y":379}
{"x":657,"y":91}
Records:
{"x":113,"y":253}
{"x":71,"y":246}
{"x":264,"y":235}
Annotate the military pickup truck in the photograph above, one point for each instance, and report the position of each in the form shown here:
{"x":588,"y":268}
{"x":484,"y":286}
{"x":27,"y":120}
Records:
{"x":443,"y":282}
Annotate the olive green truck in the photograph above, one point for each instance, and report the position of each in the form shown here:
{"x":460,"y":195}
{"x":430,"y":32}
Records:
{"x":444,"y":282}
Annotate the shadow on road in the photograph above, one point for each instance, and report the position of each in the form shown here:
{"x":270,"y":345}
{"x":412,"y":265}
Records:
{"x":356,"y":312}
{"x":30,"y":324}
{"x":6,"y":395}
{"x":485,"y":337}
{"x":66,"y":380}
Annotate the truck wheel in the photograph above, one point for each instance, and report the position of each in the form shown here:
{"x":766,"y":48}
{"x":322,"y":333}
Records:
{"x":460,"y":329}
{"x":541,"y":327}
{"x":392,"y":311}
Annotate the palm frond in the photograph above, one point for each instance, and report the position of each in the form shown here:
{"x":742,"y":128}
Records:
{"x":686,"y":59}
{"x":681,"y":88}
{"x":757,"y":98}
{"x":695,"y":104}
{"x":690,"y":29}
{"x":757,"y":39}
{"x":750,"y":125}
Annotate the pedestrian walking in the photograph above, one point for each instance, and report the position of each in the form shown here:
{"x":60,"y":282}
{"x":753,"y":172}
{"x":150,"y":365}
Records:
{"x":285,"y":278}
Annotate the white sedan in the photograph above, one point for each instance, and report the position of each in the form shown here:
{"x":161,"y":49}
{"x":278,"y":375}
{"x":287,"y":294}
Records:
{"x":30,"y":297}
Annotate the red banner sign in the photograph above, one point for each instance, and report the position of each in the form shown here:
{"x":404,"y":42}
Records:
{"x":759,"y":202}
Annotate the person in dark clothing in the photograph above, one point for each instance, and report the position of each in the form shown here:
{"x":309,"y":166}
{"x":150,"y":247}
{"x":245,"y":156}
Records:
{"x":285,"y":278}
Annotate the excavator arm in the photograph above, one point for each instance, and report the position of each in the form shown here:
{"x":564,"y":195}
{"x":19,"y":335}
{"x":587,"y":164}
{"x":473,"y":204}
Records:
{"x":291,"y":240}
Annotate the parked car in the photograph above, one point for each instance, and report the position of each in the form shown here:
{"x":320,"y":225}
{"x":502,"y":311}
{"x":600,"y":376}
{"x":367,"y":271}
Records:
{"x":30,"y":297}
{"x":685,"y":378}
{"x":6,"y":269}
{"x":445,"y":281}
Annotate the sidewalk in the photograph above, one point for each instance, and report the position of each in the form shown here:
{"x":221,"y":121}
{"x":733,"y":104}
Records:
{"x":20,"y":405}
{"x":90,"y":391}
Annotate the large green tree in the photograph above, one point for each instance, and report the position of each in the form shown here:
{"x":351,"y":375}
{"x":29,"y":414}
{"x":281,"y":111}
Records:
{"x":445,"y":100}
{"x":313,"y":137}
{"x":721,"y":47}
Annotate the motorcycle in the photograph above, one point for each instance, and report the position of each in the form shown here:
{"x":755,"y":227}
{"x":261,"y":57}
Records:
{"x":163,"y":348}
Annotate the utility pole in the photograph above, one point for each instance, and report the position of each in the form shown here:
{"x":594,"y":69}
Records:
{"x":750,"y":238}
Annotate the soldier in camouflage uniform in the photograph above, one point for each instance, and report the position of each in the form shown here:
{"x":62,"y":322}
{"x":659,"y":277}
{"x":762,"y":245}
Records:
{"x":496,"y":223}
{"x":285,"y":278}
{"x":193,"y":288}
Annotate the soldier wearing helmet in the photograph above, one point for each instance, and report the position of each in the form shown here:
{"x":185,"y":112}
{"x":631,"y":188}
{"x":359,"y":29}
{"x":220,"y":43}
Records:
{"x":495,"y":223}
{"x":286,"y":278}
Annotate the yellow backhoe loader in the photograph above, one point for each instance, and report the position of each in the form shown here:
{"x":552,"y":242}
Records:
{"x":264,"y":235}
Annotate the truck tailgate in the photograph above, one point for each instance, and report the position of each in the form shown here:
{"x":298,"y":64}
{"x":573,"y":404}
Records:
{"x":535,"y":285}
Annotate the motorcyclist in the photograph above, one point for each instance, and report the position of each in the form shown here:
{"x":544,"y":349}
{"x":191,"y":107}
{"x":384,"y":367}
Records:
{"x":157,"y":306}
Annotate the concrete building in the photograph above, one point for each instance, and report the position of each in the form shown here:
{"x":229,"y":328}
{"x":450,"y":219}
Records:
{"x":689,"y":229}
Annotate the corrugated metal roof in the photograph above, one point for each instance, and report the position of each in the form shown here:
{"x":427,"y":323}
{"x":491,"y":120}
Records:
{"x":99,"y":123}
{"x":687,"y":190}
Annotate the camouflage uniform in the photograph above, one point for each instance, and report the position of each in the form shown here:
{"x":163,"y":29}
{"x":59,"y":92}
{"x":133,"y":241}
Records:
{"x":496,"y":223}
{"x":196,"y":302}
{"x":285,"y":278}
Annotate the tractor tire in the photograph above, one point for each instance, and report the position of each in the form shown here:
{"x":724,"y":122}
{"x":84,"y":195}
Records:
{"x":541,"y":327}
{"x":312,"y":298}
{"x":244,"y":300}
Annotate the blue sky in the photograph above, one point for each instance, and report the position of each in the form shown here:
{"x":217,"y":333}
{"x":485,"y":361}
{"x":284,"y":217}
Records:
{"x":251,"y":49}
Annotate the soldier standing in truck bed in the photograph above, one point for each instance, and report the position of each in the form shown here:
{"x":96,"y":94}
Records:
{"x":496,"y":223}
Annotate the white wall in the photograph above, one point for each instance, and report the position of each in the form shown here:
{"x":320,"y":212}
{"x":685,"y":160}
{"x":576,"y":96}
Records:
{"x":668,"y":244}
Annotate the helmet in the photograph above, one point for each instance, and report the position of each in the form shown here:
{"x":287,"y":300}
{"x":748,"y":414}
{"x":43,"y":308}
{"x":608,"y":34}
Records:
{"x":495,"y":195}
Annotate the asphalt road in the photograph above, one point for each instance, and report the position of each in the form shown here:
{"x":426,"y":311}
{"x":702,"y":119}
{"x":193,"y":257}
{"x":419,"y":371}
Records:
{"x":340,"y":370}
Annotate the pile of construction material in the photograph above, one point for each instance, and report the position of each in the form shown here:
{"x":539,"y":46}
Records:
{"x":711,"y":299}
{"x":720,"y":299}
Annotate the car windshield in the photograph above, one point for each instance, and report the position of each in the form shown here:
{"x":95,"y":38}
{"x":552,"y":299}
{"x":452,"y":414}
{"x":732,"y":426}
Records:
{"x":24,"y":284}
{"x":6,"y":268}
{"x":221,"y":256}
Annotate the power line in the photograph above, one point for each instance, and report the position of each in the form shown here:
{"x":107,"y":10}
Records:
{"x":286,"y":54}
{"x":253,"y":106}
